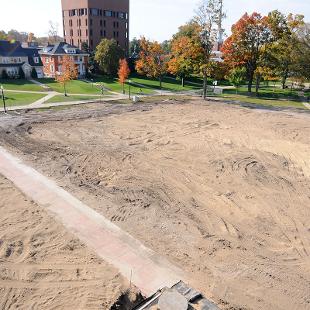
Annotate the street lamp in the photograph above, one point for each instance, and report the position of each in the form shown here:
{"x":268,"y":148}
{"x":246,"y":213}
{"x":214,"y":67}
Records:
{"x":129,"y":83}
{"x":3,"y":99}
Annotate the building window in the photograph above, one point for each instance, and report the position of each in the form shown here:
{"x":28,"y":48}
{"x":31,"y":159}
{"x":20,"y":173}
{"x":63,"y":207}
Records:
{"x":86,"y":22}
{"x":104,"y":23}
{"x":90,"y":22}
{"x":94,"y":12}
{"x":86,"y":32}
{"x":36,"y":60}
{"x":101,"y":33}
{"x":108,"y":13}
{"x":101,"y":22}
{"x":121,"y":15}
{"x":90,"y":32}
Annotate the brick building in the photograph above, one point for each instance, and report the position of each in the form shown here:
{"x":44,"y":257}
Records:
{"x":52,"y":56}
{"x":92,"y":20}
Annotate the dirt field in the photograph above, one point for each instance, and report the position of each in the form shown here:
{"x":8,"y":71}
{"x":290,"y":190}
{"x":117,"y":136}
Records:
{"x":44,"y":267}
{"x":221,"y":191}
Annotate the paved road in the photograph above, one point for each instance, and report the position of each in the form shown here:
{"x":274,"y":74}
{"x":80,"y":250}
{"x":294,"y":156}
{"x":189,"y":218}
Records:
{"x":146,"y":269}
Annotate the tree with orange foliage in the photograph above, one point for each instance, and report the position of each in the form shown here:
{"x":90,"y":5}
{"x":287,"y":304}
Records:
{"x":123,"y":72}
{"x":247,"y":43}
{"x":186,"y":54}
{"x":69,"y":72}
{"x":152,"y":60}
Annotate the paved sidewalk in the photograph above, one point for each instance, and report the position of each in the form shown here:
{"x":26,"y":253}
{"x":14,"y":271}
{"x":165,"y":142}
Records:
{"x":307,"y":105}
{"x":42,"y":104}
{"x":27,"y":91}
{"x":147,"y":270}
{"x":39,"y":83}
{"x":41,"y":101}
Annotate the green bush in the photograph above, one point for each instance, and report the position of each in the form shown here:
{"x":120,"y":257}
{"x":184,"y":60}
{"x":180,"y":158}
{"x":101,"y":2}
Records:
{"x":34,"y":73}
{"x":4,"y":75}
{"x":21,"y":73}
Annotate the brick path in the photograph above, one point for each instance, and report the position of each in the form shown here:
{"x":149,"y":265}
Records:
{"x":147,"y":270}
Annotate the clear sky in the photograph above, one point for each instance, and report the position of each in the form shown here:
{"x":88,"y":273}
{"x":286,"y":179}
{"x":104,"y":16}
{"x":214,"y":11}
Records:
{"x":156,"y":19}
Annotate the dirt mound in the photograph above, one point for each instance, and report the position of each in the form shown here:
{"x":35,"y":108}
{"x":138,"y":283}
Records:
{"x":222,"y":191}
{"x":44,"y":267}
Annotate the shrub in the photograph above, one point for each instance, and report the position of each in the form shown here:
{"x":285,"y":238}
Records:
{"x":4,"y":75}
{"x":34,"y":73}
{"x":21,"y":73}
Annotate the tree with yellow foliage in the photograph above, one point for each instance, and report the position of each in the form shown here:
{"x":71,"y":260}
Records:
{"x":186,"y":54}
{"x":152,"y":60}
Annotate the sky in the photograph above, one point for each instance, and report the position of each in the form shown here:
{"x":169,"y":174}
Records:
{"x":155,"y":19}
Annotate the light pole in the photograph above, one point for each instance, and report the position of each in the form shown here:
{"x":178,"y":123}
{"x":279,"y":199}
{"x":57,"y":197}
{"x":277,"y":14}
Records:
{"x":3,"y":99}
{"x":129,"y":93}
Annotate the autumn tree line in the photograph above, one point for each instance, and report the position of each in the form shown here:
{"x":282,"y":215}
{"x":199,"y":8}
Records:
{"x":260,"y":48}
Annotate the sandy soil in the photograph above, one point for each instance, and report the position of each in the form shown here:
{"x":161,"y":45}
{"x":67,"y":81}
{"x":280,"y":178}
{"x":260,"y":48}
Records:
{"x":222,"y":191}
{"x":44,"y":267}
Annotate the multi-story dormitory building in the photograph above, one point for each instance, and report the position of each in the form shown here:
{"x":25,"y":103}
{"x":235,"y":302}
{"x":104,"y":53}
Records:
{"x":92,"y":20}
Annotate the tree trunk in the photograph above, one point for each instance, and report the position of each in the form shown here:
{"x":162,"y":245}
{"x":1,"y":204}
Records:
{"x":160,"y":82}
{"x":123,"y":88}
{"x":183,"y":82}
{"x":284,"y":78}
{"x":65,"y":90}
{"x":285,"y":75}
{"x":258,"y":79}
{"x":250,"y":84}
{"x":205,"y":86}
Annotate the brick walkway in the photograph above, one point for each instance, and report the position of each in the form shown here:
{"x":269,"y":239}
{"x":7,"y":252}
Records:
{"x":147,"y":270}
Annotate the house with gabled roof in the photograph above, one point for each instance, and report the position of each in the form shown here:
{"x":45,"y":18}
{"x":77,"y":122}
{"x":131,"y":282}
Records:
{"x":52,"y":57}
{"x":14,"y":57}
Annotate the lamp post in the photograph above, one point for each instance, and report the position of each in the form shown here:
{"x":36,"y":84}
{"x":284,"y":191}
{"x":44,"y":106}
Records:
{"x":129,"y":93}
{"x":3,"y":99}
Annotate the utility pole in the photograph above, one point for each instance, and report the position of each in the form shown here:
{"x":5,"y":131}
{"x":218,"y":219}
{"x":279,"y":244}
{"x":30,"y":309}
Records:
{"x":220,"y":25}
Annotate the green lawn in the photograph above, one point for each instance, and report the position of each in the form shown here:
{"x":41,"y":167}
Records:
{"x":264,"y":101}
{"x":17,"y":99}
{"x":62,"y":98}
{"x":169,"y":84}
{"x":144,"y":85}
{"x":267,"y":92}
{"x":20,"y":85}
{"x":73,"y":87}
{"x":113,"y":85}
